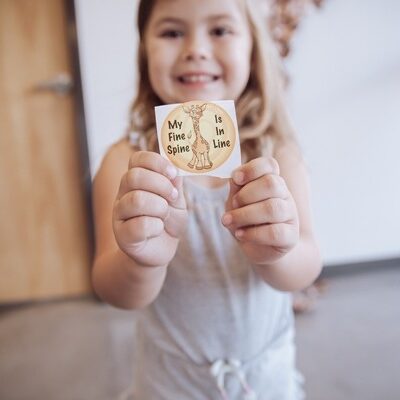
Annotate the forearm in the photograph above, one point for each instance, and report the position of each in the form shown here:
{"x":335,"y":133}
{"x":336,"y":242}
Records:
{"x":118,"y":280}
{"x":294,"y":271}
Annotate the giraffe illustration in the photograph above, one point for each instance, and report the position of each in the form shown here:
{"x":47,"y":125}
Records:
{"x":200,"y":146}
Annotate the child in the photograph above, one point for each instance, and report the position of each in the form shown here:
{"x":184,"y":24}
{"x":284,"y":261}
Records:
{"x":209,"y":263}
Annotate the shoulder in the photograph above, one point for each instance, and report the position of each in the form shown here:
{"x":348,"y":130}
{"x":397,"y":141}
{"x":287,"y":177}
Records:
{"x":291,"y":162}
{"x":288,"y":152}
{"x":115,"y":161}
{"x":113,"y":166}
{"x":116,"y":156}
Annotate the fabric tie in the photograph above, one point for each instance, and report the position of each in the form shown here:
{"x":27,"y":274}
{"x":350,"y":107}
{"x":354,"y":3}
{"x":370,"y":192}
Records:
{"x":231,"y":366}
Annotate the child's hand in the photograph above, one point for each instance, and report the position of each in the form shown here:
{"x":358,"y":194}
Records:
{"x":261,"y":212}
{"x":150,"y":210}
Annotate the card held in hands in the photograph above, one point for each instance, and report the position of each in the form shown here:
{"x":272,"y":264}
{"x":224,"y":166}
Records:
{"x":199,"y":137}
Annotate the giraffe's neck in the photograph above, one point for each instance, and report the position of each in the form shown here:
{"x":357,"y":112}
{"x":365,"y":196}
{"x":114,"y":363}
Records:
{"x":196,"y":123}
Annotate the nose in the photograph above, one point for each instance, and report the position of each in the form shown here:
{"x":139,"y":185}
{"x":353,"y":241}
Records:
{"x":196,"y":47}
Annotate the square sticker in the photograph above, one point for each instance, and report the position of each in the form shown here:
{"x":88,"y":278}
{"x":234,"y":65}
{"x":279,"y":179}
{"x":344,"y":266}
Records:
{"x":199,"y":137}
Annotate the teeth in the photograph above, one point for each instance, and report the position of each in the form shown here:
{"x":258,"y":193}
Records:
{"x":197,"y":78}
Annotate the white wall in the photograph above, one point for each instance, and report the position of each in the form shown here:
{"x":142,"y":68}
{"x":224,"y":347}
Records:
{"x":345,"y":102}
{"x":107,"y":39}
{"x":344,"y":99}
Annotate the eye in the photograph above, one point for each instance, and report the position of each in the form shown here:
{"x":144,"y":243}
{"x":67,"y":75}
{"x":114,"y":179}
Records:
{"x":221,"y":31}
{"x":171,"y":34}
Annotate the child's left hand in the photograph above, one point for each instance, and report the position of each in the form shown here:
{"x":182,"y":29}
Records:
{"x":261,"y":212}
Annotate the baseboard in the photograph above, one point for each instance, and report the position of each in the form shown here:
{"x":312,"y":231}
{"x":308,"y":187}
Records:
{"x":332,"y":270}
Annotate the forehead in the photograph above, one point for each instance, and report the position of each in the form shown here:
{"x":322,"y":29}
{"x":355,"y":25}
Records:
{"x":192,"y":11}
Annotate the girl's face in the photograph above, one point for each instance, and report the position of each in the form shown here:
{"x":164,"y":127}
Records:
{"x":198,"y":50}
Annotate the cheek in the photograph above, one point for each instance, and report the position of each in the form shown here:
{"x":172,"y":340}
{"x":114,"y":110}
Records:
{"x":159,"y":57}
{"x":154,"y":71}
{"x":239,"y":58}
{"x":155,"y":61}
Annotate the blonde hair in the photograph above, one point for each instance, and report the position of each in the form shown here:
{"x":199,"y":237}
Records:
{"x":262,"y":118}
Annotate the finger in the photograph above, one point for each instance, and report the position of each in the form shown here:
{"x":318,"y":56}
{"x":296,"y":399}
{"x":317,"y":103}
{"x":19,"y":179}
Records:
{"x":139,"y":178}
{"x":180,"y":201}
{"x":137,"y":230}
{"x":275,"y":235}
{"x":175,"y":222}
{"x":140,"y":203}
{"x":154,"y":162}
{"x":233,"y":189}
{"x":269,"y":211}
{"x":265,"y":187}
{"x":254,"y":169}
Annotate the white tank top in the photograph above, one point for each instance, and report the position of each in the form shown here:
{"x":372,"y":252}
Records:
{"x":216,"y":330}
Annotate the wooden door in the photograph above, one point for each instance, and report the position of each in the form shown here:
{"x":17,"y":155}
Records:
{"x":44,"y":245}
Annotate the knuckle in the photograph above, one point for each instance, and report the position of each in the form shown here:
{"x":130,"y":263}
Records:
{"x":149,"y":226}
{"x":257,"y":234}
{"x":277,"y":233}
{"x":120,"y":210}
{"x":165,"y":186}
{"x":270,"y":182}
{"x":127,"y":233}
{"x":273,"y":208}
{"x":137,"y":199}
{"x":131,"y":230}
{"x":133,"y":177}
{"x":163,"y":208}
{"x":242,"y":216}
{"x":275,"y":185}
{"x":143,"y":226}
{"x":280,"y":209}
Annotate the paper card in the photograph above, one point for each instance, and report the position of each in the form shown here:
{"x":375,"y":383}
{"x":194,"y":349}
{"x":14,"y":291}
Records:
{"x":199,"y":137}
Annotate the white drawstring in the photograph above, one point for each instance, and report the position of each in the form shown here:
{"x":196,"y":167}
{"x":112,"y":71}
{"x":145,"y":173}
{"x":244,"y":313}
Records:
{"x":231,"y":366}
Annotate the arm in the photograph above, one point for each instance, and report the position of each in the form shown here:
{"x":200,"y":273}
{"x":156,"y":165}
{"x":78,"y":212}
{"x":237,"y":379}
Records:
{"x":271,"y":218}
{"x":132,"y":213}
{"x":299,"y":267}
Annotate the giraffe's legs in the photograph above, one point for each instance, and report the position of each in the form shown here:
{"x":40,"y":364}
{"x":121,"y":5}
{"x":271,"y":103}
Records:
{"x":200,"y":157}
{"x":208,"y":163}
{"x":193,"y":160}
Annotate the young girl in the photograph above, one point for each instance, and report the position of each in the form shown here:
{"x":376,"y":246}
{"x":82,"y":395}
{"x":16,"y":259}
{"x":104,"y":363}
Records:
{"x":209,"y":262}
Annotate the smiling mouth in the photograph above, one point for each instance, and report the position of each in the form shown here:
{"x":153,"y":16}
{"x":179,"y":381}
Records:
{"x":197,"y":78}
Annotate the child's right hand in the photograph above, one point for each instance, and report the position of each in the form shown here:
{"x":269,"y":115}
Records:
{"x":150,"y":210}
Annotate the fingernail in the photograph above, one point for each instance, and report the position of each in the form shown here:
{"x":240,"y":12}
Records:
{"x":238,"y":177}
{"x":239,"y":233}
{"x":227,"y":219}
{"x":171,"y":172}
{"x":174,"y":194}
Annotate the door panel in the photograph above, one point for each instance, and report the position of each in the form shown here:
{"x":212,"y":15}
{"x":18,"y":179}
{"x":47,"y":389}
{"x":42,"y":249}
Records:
{"x":44,"y":234}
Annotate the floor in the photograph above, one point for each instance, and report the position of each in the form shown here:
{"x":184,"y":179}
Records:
{"x":348,"y":346}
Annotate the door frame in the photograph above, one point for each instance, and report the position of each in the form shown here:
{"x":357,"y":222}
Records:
{"x":79,"y":115}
